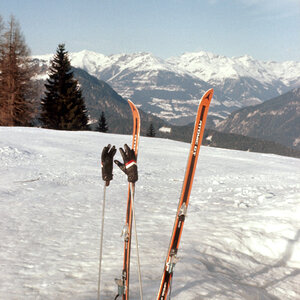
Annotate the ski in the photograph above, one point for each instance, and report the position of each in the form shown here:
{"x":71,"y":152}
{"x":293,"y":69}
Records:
{"x":123,"y":283}
{"x":185,"y":194}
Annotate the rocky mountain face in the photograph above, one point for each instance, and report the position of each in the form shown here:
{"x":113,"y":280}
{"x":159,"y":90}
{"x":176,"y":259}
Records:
{"x":276,"y":120}
{"x":171,"y":88}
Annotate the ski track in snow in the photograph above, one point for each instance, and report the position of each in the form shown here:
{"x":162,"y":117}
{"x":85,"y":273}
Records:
{"x":241,"y":238}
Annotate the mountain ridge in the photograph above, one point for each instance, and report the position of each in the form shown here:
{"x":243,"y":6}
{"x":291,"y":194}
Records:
{"x":171,"y":88}
{"x":87,"y":59}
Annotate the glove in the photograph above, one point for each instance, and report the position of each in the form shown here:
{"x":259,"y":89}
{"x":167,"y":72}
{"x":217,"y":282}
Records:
{"x":129,"y":167}
{"x":107,"y":163}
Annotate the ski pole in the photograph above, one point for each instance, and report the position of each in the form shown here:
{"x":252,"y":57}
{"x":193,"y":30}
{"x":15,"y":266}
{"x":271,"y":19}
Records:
{"x":107,"y":155}
{"x":136,"y":239}
{"x":101,"y":239}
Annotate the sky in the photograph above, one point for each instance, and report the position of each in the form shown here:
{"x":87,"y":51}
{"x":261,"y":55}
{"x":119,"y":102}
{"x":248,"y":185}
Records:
{"x":267,"y":30}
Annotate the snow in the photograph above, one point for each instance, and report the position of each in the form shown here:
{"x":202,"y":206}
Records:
{"x":43,"y":76}
{"x":203,"y":65}
{"x":241,"y":238}
{"x":165,"y":129}
{"x":214,"y":68}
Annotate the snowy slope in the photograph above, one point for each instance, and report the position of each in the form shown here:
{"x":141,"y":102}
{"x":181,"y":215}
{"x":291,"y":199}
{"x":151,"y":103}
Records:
{"x":241,"y":239}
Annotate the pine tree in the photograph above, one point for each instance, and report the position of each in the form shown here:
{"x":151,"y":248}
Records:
{"x":63,"y":106}
{"x":16,"y":92}
{"x":102,"y":125}
{"x":151,"y":131}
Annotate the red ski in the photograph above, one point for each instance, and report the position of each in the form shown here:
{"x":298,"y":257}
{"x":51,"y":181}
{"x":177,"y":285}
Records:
{"x":185,"y":195}
{"x":123,"y":283}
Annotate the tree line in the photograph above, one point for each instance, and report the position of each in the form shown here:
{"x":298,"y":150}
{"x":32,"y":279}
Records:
{"x":16,"y":71}
{"x":62,"y":107}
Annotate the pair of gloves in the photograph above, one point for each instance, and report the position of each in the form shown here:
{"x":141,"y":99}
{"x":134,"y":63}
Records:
{"x":129,"y":167}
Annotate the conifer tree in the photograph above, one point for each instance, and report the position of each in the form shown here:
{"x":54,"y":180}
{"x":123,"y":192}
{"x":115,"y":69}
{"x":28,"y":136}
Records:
{"x":16,"y":92}
{"x":151,"y":131}
{"x":102,"y":125}
{"x":63,"y":106}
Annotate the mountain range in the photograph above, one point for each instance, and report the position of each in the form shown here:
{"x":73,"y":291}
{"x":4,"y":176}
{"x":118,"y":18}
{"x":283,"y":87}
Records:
{"x":99,"y":96}
{"x":171,"y":88}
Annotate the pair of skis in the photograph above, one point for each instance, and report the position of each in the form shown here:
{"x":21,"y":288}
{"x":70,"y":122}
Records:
{"x":123,"y":283}
{"x":171,"y":259}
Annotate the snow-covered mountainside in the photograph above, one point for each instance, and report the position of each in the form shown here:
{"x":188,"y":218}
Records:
{"x":215,"y":68}
{"x":241,"y":238}
{"x":206,"y":66}
{"x":277,"y":120}
{"x":171,"y":88}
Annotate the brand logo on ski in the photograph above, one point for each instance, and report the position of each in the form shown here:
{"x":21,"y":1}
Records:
{"x":164,"y":290}
{"x":197,"y":138}
{"x":134,"y":142}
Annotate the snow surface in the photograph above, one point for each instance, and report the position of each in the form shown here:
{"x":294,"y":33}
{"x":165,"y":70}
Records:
{"x":241,"y":238}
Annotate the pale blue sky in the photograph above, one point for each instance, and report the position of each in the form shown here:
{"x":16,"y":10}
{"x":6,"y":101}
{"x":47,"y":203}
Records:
{"x":264,"y":29}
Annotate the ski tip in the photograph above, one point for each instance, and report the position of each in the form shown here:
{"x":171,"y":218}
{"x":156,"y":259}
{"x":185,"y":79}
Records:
{"x":132,"y":105}
{"x":208,"y":95}
{"x":210,"y":90}
{"x":134,"y":109}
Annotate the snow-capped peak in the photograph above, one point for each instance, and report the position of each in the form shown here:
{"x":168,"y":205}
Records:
{"x":211,"y":67}
{"x":89,"y":60}
{"x":204,"y":65}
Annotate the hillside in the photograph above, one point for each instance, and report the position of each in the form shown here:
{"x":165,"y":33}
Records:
{"x":232,"y":141}
{"x":276,"y":120}
{"x":241,"y":237}
{"x":99,"y":96}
